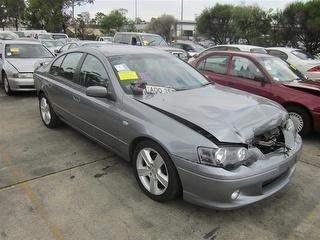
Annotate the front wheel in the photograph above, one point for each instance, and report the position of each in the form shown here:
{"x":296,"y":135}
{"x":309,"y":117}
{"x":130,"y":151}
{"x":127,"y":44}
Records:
{"x":6,"y":85}
{"x":301,"y":120}
{"x":48,"y":116}
{"x":155,"y":172}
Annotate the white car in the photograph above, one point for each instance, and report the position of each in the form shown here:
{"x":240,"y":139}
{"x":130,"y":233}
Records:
{"x":305,"y":62}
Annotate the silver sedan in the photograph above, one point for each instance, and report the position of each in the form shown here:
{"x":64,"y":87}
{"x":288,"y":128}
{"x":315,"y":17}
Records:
{"x":219,"y":147}
{"x":17,"y":63}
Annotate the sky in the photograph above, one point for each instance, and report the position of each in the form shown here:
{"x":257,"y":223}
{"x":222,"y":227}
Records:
{"x":154,"y":8}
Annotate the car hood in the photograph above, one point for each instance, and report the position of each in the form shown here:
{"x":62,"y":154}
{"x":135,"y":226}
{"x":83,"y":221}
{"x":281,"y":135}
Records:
{"x":25,"y":64}
{"x":170,"y":49}
{"x":229,"y":115}
{"x":309,"y":86}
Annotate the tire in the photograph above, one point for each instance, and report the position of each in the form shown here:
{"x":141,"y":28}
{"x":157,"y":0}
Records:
{"x":301,"y":119}
{"x":48,"y":116}
{"x":6,"y":85}
{"x":147,"y":157}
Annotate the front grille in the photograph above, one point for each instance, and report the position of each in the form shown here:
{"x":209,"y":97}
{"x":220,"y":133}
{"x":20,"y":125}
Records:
{"x":270,"y":141}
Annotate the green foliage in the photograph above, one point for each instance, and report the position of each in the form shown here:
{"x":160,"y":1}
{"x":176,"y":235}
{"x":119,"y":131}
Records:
{"x":12,"y":12}
{"x":114,"y":21}
{"x":162,"y":25}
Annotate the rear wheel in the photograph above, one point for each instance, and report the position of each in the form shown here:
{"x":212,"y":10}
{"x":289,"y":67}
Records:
{"x":301,"y":120}
{"x":155,"y":172}
{"x":48,"y":116}
{"x":6,"y":85}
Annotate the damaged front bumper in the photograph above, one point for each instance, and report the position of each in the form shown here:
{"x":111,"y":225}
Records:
{"x":213,"y":187}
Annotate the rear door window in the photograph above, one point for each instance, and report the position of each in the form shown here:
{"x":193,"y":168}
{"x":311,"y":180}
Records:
{"x":215,"y":64}
{"x":69,"y":66}
{"x":93,"y":73}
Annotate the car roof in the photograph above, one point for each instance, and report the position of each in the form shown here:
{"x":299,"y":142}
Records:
{"x":21,"y":42}
{"x":240,"y":46}
{"x":137,"y":33}
{"x":119,"y":49}
{"x":241,"y":53}
{"x":284,"y":49}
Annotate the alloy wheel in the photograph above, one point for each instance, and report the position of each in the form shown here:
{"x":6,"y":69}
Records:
{"x":45,"y":111}
{"x":152,"y":171}
{"x":297,"y":120}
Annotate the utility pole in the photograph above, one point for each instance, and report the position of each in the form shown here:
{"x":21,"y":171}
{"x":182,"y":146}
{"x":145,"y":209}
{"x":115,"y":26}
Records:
{"x":181,"y":18}
{"x":135,"y":9}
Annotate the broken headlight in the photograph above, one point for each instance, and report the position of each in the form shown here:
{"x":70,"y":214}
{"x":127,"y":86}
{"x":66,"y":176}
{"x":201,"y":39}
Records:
{"x":226,"y":157}
{"x":289,"y":126}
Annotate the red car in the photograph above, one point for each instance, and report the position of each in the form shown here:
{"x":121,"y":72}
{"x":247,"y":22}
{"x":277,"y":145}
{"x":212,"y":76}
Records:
{"x":269,"y":77}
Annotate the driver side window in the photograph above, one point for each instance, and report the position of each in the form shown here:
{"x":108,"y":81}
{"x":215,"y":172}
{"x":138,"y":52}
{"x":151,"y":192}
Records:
{"x":93,"y":73}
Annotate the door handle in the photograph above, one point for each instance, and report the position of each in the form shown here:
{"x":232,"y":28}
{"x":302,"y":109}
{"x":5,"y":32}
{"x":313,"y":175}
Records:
{"x":76,"y":99}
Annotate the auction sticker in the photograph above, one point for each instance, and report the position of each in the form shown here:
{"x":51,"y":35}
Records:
{"x":127,"y":75}
{"x":158,"y":90}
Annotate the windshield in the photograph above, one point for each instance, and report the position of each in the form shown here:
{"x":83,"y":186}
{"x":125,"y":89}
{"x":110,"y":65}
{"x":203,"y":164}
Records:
{"x":20,"y":34}
{"x":279,"y":70}
{"x":8,"y":36}
{"x":153,"y":40}
{"x":259,"y":50}
{"x":303,"y":55}
{"x":27,"y":51}
{"x":151,"y":73}
{"x":59,"y":36}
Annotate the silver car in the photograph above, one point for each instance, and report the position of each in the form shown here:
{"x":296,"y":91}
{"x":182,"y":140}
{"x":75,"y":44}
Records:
{"x":17,"y":63}
{"x":219,"y":147}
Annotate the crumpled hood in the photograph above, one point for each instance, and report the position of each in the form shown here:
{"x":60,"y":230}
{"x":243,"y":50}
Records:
{"x":307,"y":85}
{"x":230,"y":115}
{"x":25,"y":65}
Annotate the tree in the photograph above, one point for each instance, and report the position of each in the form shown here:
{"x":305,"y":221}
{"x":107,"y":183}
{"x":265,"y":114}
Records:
{"x":83,"y":20}
{"x":250,"y":23}
{"x":3,"y":13}
{"x":216,"y":22}
{"x":15,"y":11}
{"x":113,"y":21}
{"x":98,"y":18}
{"x":162,"y":25}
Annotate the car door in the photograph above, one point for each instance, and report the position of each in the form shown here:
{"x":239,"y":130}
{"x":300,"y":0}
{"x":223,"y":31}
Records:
{"x":215,"y":67}
{"x":247,"y":76}
{"x":63,"y":86}
{"x":97,"y":117}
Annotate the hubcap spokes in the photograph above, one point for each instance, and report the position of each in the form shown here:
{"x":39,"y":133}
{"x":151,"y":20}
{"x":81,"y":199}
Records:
{"x":45,"y":111}
{"x":297,"y":120}
{"x":152,"y":171}
{"x":6,"y":85}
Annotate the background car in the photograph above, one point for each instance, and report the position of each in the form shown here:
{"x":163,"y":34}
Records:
{"x":106,"y":39}
{"x":190,"y":47}
{"x":76,"y":44}
{"x":147,"y":39}
{"x":222,"y":148}
{"x":269,"y":77}
{"x":17,"y":63}
{"x":52,"y":45}
{"x":305,"y":62}
{"x":7,"y":35}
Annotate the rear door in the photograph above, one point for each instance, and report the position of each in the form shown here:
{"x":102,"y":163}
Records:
{"x":215,"y":68}
{"x":61,"y":90}
{"x":247,"y":76}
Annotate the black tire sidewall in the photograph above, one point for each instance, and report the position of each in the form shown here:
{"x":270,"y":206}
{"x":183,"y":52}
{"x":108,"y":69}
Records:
{"x":307,"y":124}
{"x":174,"y":186}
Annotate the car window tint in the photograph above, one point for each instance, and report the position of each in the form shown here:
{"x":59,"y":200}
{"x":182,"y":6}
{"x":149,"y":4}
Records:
{"x":69,"y":65}
{"x":175,"y":45}
{"x":245,"y":68}
{"x":55,"y":67}
{"x":216,"y":64}
{"x":93,"y":73}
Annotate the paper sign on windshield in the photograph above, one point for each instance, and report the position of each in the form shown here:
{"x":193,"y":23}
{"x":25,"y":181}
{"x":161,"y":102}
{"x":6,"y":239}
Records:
{"x":15,"y":50}
{"x":127,"y":75}
{"x":158,"y":90}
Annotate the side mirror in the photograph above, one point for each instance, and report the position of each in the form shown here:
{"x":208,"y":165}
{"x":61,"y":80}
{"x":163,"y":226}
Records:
{"x":99,"y":92}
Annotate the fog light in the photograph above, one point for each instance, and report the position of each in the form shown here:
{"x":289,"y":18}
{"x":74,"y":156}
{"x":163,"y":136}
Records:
{"x":235,"y":194}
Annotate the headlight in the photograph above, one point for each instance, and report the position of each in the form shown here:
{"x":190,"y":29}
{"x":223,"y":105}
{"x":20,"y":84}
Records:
{"x":226,"y":157}
{"x":289,"y":126}
{"x":25,"y":75}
